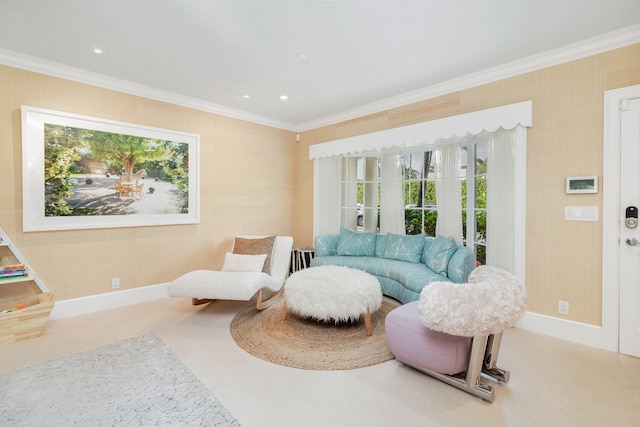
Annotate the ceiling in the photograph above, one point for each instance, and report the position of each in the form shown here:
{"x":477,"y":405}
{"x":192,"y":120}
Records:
{"x":211,"y":54}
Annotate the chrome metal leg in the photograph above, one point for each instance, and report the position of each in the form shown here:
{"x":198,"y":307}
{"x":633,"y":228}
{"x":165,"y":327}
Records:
{"x":491,"y":358}
{"x":470,"y":383}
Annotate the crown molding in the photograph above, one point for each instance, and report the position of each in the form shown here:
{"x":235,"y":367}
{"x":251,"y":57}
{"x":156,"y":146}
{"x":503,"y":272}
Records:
{"x":609,"y":41}
{"x":614,"y":40}
{"x":54,"y":69}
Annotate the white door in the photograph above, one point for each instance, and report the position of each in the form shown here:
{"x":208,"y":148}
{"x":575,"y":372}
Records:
{"x":629,"y":339}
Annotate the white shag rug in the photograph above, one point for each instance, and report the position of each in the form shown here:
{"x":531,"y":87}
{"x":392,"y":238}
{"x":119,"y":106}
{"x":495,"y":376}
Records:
{"x":138,"y":381}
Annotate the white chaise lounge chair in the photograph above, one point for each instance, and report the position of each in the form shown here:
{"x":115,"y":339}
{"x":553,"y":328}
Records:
{"x":239,"y":278}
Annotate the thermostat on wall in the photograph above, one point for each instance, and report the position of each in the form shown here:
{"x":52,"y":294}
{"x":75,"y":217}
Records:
{"x":581,"y":184}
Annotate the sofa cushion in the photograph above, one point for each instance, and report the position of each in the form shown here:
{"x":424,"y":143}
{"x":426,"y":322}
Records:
{"x":404,"y":248}
{"x":326,"y":245}
{"x":461,"y":264}
{"x":413,"y":276}
{"x":439,"y":253}
{"x":356,"y":244}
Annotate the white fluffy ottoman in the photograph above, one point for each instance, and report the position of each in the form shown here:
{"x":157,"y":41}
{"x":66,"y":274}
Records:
{"x":333,"y":293}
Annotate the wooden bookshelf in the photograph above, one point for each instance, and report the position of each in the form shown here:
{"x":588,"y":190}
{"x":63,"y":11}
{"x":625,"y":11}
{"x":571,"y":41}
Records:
{"x":25,"y":301}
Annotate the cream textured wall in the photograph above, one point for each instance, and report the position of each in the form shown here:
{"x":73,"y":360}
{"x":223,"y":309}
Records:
{"x":256,"y":179}
{"x":247,"y":184}
{"x":563,"y":259}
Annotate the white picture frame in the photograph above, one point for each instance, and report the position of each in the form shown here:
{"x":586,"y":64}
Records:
{"x":581,"y":184}
{"x":168,"y":196}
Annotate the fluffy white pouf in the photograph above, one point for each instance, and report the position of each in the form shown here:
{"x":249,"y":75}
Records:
{"x":491,"y":302}
{"x":332,"y":293}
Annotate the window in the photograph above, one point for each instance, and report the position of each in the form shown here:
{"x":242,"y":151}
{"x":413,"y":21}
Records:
{"x":360,"y":193}
{"x":419,"y":190}
{"x":474,"y":198}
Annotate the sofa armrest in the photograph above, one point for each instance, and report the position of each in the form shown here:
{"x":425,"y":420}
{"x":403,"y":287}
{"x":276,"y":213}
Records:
{"x":326,"y":245}
{"x":461,"y":264}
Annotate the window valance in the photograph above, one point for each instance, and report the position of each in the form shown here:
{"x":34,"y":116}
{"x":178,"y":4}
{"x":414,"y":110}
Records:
{"x":425,"y":133}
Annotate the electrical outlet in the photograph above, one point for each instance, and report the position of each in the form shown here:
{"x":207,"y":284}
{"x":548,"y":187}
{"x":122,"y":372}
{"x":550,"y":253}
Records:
{"x":115,"y":283}
{"x":563,"y":307}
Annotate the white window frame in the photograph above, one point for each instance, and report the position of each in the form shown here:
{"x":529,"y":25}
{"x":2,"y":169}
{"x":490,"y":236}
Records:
{"x":425,"y":136}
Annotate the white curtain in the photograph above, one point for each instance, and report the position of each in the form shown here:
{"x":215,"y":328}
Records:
{"x":448,"y":192}
{"x":327,"y":195}
{"x":503,"y":224}
{"x":391,"y":196}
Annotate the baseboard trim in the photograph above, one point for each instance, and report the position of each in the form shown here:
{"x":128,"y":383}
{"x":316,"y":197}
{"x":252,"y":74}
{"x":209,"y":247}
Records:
{"x":94,"y":303}
{"x":568,"y":330}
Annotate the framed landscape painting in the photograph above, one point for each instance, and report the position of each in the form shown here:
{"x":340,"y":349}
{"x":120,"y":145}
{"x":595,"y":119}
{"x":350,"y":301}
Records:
{"x":85,"y":172}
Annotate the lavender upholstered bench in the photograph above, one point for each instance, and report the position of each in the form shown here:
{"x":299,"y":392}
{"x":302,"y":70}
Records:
{"x":454,"y":331}
{"x":416,"y":345}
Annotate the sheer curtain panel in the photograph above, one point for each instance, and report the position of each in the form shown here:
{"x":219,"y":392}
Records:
{"x":503,"y":224}
{"x":327,"y":177}
{"x":391,"y":197}
{"x":449,"y":192}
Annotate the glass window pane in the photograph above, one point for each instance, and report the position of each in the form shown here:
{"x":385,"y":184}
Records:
{"x":481,"y":158}
{"x":427,"y":165}
{"x":429,"y":225}
{"x":464,"y":225}
{"x":412,"y":165}
{"x":463,"y":184}
{"x":481,"y":254}
{"x":430,"y":194}
{"x":481,"y":226}
{"x":413,"y":221}
{"x":481,"y":192}
{"x":411,"y":193}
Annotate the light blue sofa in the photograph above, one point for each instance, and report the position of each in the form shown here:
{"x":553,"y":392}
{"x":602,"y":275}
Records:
{"x":404,"y":265}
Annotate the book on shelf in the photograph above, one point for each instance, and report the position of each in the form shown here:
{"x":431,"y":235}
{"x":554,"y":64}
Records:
{"x":16,"y":276}
{"x":13,"y":271}
{"x":12,"y":266}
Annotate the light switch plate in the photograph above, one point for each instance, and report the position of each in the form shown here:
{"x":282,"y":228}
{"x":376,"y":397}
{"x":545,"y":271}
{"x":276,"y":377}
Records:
{"x":581,"y":213}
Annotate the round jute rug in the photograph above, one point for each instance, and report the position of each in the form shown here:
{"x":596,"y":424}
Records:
{"x":308,"y":344}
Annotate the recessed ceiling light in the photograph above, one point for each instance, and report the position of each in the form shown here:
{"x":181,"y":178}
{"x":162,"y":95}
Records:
{"x":246,"y":96}
{"x":303,"y":57}
{"x":284,"y":97}
{"x":97,"y":50}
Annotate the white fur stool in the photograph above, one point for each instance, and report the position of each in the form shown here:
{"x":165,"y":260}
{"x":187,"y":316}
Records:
{"x":333,"y":293}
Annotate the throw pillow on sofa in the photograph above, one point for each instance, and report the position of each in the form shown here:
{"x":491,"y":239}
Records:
{"x":404,"y":248}
{"x":439,"y":253}
{"x":326,"y":245}
{"x":356,"y":244}
{"x":381,"y":245}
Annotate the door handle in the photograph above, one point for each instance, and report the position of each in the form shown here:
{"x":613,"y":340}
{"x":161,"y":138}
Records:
{"x":632,"y":241}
